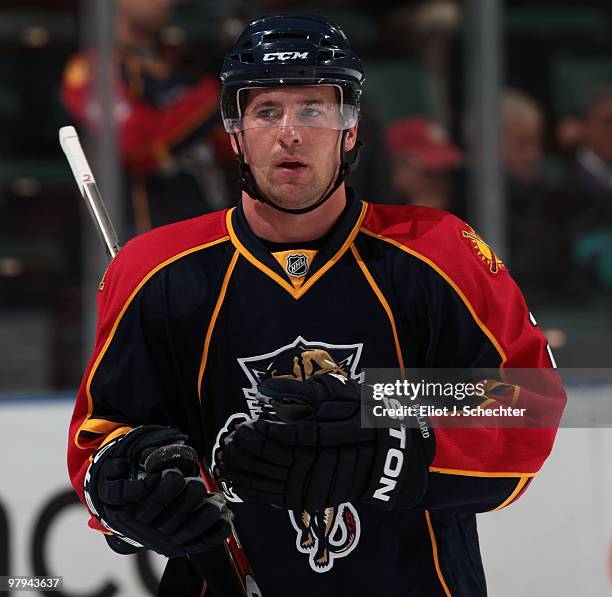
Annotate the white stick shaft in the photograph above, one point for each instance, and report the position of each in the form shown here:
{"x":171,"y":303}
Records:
{"x":69,"y":140}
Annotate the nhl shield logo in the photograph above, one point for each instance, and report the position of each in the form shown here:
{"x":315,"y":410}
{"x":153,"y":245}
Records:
{"x":297,"y":265}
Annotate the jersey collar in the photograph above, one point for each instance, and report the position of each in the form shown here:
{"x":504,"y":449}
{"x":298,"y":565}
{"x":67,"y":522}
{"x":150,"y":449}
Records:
{"x":333,"y":247}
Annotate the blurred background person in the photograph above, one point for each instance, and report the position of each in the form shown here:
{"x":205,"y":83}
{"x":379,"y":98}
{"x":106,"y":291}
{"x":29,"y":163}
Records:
{"x":593,"y":167}
{"x":588,"y":187}
{"x":423,"y":161}
{"x":522,"y":140}
{"x":531,"y":247}
{"x":538,"y":249}
{"x":170,"y":134}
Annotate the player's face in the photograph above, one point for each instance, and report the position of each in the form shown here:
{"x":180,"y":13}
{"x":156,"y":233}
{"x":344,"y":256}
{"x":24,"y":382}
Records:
{"x":293,"y":155}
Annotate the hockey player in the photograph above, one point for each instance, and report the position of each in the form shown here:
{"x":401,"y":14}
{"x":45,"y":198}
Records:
{"x":284,"y":300}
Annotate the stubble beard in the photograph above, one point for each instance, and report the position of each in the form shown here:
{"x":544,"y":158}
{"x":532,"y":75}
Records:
{"x":295,"y":195}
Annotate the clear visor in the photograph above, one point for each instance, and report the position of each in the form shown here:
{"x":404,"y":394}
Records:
{"x":276,"y":109}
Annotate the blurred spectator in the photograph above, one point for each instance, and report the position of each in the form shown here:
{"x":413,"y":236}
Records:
{"x":539,"y":246}
{"x":170,"y":132}
{"x":594,"y":156}
{"x":588,"y":188}
{"x":538,"y":251}
{"x":522,"y":134}
{"x":422,"y":163}
{"x":569,"y":133}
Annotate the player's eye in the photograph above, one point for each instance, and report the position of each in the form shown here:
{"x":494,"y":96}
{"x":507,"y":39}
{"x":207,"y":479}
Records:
{"x":268,"y":114}
{"x":311,"y":112}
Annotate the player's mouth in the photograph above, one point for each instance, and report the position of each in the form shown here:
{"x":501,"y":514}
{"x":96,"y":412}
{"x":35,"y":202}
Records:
{"x":291,"y":165}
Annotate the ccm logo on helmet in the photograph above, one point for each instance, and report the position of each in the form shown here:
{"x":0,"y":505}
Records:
{"x":393,"y":465}
{"x":285,"y":56}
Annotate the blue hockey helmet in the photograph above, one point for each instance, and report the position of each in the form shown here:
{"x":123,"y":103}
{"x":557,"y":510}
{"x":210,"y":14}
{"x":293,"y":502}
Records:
{"x":288,"y":51}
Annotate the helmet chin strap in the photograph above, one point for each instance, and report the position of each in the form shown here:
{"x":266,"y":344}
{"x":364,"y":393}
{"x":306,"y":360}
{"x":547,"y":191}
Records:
{"x":248,"y":184}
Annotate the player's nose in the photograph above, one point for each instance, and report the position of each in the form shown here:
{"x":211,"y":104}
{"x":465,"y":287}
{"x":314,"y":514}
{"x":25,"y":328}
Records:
{"x":290,"y":136}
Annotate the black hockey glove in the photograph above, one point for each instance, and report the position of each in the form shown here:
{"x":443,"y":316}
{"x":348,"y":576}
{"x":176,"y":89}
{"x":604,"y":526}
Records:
{"x":317,"y":455}
{"x":166,"y":511}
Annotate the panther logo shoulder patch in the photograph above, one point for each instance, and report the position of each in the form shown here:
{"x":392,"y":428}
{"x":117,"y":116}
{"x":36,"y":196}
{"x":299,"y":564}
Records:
{"x":483,"y":251}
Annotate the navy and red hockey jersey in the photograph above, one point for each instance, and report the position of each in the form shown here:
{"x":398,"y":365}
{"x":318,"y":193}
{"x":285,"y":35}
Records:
{"x":171,"y":138}
{"x":192,"y":315}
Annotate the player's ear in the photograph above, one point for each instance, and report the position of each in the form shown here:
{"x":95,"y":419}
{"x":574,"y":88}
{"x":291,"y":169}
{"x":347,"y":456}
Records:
{"x":351,"y":138}
{"x":238,"y":146}
{"x":234,"y":143}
